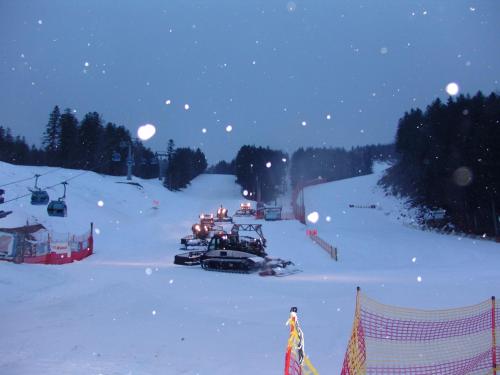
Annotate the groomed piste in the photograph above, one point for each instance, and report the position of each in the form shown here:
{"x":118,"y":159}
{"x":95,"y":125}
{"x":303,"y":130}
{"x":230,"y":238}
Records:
{"x":128,"y":308}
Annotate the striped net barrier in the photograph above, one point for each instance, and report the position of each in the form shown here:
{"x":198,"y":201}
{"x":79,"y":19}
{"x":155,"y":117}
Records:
{"x":391,"y":340}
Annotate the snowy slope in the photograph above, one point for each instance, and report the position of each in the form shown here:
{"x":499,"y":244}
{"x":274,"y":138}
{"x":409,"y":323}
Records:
{"x":128,"y":310}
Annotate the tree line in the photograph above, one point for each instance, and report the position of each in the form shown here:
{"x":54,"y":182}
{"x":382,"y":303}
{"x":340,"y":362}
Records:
{"x":184,"y":164}
{"x":265,"y":173}
{"x":449,"y":159}
{"x":90,"y":144}
{"x":331,"y":164}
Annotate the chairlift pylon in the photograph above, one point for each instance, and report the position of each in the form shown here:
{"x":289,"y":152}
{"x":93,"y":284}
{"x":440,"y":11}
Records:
{"x":58,"y":207}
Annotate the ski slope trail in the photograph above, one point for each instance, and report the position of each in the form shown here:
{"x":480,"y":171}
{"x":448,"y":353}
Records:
{"x":128,"y":309}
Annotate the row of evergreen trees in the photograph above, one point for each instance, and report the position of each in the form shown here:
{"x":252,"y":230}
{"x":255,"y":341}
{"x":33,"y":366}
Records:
{"x":184,"y":164}
{"x":261,"y":172}
{"x":252,"y":172}
{"x":89,"y":144}
{"x":332,"y":164}
{"x":449,"y":158}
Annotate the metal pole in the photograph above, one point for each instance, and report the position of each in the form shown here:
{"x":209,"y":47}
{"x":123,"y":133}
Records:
{"x":129,"y":162}
{"x":494,"y":213}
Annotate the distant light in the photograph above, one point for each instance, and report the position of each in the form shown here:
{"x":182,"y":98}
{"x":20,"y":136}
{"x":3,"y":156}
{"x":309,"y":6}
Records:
{"x":168,"y":102}
{"x":313,"y":217}
{"x":145,"y":132}
{"x":204,"y":130}
{"x":283,"y":160}
{"x":229,"y":128}
{"x":452,"y":88}
{"x":304,"y":123}
{"x":245,"y":192}
{"x":268,"y":164}
{"x":328,"y":116}
{"x":100,"y":203}
{"x":186,"y":106}
{"x":384,"y":50}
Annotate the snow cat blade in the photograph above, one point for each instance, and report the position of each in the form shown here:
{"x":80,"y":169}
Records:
{"x":191,"y":258}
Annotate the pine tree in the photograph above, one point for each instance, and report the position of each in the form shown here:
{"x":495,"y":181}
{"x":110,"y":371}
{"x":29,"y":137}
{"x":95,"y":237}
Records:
{"x":51,"y":136}
{"x":89,"y":142}
{"x":68,"y":140}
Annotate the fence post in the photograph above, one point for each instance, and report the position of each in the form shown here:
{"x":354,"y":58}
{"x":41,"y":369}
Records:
{"x":493,"y":336}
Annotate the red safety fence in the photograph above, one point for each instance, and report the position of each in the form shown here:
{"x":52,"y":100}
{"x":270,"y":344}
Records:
{"x":392,"y":340}
{"x":34,"y":244}
{"x":298,"y":206}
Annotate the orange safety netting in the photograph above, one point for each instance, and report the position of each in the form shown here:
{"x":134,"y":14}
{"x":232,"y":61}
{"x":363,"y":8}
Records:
{"x":391,"y":340}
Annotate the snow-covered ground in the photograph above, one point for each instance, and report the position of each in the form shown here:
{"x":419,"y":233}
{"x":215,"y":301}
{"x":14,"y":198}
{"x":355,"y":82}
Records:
{"x":128,"y":310}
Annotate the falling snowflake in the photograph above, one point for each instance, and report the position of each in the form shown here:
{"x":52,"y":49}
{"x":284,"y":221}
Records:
{"x":148,"y":271}
{"x":313,"y":217}
{"x":245,"y":192}
{"x":328,"y":116}
{"x":100,"y":203}
{"x":186,"y":106}
{"x":414,"y":259}
{"x":229,"y":128}
{"x":204,"y":130}
{"x":168,"y":102}
{"x":384,"y":50}
{"x":268,"y":164}
{"x":153,"y":312}
{"x":86,"y":64}
{"x":304,"y":123}
{"x":328,"y":219}
{"x":291,"y":6}
{"x":40,"y":22}
{"x":171,"y":281}
{"x":97,"y":231}
{"x":283,"y":160}
{"x":419,"y":279}
{"x":146,"y":131}
{"x":452,"y":88}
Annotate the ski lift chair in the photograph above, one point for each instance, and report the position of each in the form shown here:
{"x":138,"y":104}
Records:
{"x":116,"y":156}
{"x":39,"y":196}
{"x":58,"y":208}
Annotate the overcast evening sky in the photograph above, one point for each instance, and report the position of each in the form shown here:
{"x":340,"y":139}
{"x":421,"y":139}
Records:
{"x":283,"y":74}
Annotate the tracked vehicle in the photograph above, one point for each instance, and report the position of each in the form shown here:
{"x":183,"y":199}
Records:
{"x":233,"y":252}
